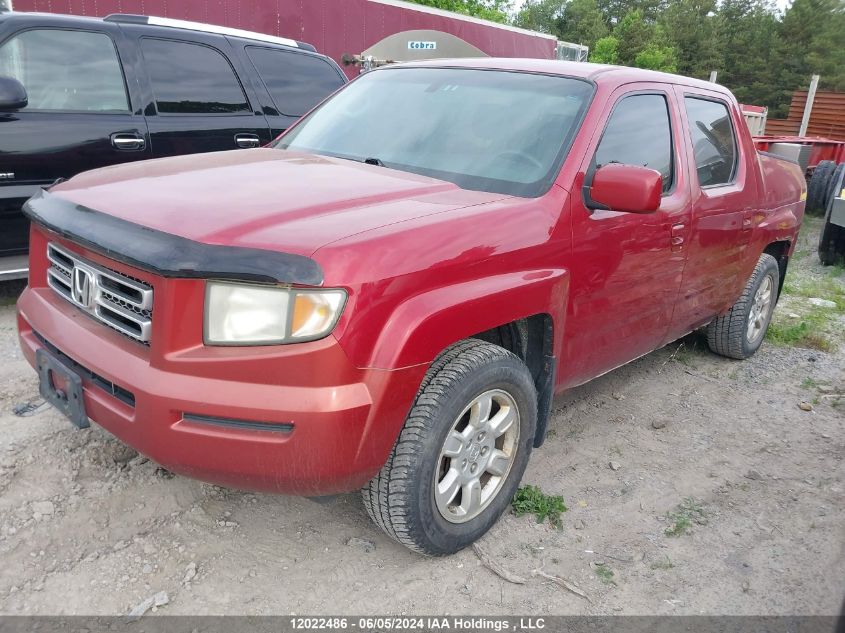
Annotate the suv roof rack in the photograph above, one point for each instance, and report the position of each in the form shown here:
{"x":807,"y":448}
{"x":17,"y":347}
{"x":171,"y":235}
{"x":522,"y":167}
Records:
{"x":128,"y":18}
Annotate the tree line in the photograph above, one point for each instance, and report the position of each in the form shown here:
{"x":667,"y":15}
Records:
{"x":761,"y":54}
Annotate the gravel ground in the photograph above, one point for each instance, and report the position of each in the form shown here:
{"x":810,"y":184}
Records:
{"x":89,"y":527}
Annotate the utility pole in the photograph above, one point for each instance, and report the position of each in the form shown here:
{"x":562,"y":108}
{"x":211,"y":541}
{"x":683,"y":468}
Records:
{"x":713,"y":75}
{"x":808,"y":107}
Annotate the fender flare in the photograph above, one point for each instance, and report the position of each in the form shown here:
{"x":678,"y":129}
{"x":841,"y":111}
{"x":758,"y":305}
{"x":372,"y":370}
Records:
{"x":426,"y":324}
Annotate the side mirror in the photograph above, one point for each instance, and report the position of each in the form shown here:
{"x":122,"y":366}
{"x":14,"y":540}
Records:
{"x":627,"y":188}
{"x":12,"y":94}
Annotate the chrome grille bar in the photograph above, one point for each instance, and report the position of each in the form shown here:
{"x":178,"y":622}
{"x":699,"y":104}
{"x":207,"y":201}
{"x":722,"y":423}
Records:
{"x":121,"y":302}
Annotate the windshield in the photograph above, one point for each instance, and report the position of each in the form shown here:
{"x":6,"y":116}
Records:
{"x":497,"y":131}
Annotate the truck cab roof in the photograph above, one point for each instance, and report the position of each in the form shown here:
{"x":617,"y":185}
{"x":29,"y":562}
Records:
{"x":597,"y":73}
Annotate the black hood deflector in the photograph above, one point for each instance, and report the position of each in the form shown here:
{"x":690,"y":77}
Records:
{"x":165,"y":254}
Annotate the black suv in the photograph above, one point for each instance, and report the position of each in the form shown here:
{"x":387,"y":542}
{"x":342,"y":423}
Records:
{"x":80,"y":93}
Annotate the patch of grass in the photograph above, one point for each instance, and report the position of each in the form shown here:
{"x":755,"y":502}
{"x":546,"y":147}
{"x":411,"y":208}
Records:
{"x":809,"y":383}
{"x":816,"y":327}
{"x":837,"y":270}
{"x":686,"y":354}
{"x":809,"y":332}
{"x":604,"y":573}
{"x":531,"y":500}
{"x":663,"y":565}
{"x":828,"y":287}
{"x":687,"y":513}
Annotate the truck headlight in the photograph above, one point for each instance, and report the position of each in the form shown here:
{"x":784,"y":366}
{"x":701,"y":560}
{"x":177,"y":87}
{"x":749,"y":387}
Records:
{"x":244,"y":314}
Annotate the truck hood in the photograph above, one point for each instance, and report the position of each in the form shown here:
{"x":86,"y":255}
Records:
{"x":264,"y":198}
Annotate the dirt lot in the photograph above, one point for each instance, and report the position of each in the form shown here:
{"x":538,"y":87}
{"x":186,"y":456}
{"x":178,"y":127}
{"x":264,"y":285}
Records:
{"x":89,"y":527}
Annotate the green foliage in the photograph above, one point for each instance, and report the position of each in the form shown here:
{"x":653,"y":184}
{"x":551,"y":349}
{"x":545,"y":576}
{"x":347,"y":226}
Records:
{"x":581,"y":22}
{"x":634,"y":35}
{"x":605,"y":51}
{"x":604,"y":573}
{"x":692,"y":30}
{"x":540,"y":15}
{"x":809,"y":332}
{"x":687,"y":513}
{"x":657,"y":57}
{"x":663,"y":565}
{"x":760,"y":53}
{"x":531,"y":500}
{"x":495,"y":10}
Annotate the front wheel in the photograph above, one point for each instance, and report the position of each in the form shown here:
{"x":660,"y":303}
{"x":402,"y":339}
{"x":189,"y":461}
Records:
{"x":462,"y":451}
{"x":740,"y":332}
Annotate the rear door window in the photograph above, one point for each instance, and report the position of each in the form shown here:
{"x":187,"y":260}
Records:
{"x":76,"y":71}
{"x":296,"y":82}
{"x":639,"y":133}
{"x":190,"y":78}
{"x":713,"y":141}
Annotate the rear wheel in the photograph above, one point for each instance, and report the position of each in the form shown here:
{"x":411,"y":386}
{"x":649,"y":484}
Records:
{"x":740,"y":332}
{"x":462,"y":451}
{"x":818,"y":186}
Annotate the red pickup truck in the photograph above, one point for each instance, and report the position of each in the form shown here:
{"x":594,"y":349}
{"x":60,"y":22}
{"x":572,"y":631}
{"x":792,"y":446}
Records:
{"x":389,"y":297}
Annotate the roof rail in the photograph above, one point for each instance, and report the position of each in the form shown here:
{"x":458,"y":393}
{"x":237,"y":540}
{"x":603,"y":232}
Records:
{"x":127,"y":18}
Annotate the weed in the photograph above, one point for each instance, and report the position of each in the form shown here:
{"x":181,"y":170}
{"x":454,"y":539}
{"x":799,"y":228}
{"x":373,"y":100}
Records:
{"x":837,"y":270}
{"x":809,"y":333}
{"x":686,"y":355}
{"x":604,"y":573}
{"x":663,"y":564}
{"x":827,"y":287}
{"x":687,"y":513}
{"x":532,"y":500}
{"x":809,"y":383}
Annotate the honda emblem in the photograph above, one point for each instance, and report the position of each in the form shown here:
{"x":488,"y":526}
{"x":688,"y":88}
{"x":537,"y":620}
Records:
{"x":83,"y":287}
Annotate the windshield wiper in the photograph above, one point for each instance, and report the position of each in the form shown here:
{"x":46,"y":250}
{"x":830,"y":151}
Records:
{"x":374,"y":161}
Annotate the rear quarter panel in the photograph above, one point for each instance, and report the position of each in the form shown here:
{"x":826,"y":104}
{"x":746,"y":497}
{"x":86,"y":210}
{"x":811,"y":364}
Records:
{"x":780,"y":210}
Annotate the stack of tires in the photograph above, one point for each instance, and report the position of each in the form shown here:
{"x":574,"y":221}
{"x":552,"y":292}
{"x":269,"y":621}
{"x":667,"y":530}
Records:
{"x":825,"y":186}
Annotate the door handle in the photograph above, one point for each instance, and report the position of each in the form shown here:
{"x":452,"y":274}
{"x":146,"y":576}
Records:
{"x":247,"y":141}
{"x":128,"y":141}
{"x":678,"y":236}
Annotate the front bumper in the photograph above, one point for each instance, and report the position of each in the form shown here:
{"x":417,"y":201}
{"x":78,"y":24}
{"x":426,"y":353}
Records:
{"x":330,"y":433}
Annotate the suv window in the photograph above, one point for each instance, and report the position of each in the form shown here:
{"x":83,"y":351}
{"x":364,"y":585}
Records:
{"x":639,"y":133}
{"x":66,"y":70}
{"x":713,"y":141}
{"x":295,"y":81}
{"x":192,"y":78}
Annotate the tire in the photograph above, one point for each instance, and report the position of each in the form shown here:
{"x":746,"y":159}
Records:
{"x":832,"y":184}
{"x":830,"y":241}
{"x":832,"y":237}
{"x":818,"y":186}
{"x":730,"y":334}
{"x":402,"y":498}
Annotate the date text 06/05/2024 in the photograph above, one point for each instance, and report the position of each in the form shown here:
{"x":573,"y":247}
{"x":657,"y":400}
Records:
{"x":452,"y":623}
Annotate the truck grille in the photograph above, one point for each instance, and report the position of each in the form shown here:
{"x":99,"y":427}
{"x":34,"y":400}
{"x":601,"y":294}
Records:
{"x":121,"y":302}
